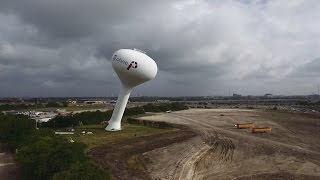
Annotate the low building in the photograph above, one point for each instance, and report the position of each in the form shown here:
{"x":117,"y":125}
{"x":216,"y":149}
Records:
{"x":94,"y":102}
{"x":268,"y":96}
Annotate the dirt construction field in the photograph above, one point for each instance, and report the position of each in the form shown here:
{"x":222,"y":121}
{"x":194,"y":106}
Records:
{"x":212,"y":148}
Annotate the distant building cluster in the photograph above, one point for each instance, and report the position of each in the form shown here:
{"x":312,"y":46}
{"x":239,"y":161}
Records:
{"x":268,"y":95}
{"x":39,"y":116}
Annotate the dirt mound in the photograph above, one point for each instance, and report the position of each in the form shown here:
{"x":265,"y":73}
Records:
{"x":115,"y":156}
{"x":279,"y":176}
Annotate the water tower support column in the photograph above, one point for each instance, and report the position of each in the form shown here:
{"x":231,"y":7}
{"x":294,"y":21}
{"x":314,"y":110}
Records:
{"x":133,"y":68}
{"x":115,"y":121}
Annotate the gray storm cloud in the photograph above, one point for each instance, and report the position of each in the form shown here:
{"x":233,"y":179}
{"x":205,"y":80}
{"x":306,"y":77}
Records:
{"x":63,"y":47}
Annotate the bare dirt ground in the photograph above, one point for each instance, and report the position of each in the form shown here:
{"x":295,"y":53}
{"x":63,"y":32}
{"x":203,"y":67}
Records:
{"x":210,"y":147}
{"x":290,"y":151}
{"x":114,"y":156}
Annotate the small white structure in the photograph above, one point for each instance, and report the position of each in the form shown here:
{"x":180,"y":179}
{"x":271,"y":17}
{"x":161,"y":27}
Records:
{"x":63,"y":133}
{"x":72,"y":102}
{"x":133,"y":68}
{"x":71,"y":140}
{"x":46,"y":119}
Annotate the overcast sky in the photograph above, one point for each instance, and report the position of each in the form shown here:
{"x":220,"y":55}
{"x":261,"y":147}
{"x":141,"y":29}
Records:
{"x":64,"y":47}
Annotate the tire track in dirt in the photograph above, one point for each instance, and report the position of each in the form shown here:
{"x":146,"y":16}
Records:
{"x":188,"y":167}
{"x":253,"y":138}
{"x":114,"y":155}
{"x":215,"y":146}
{"x":224,"y":152}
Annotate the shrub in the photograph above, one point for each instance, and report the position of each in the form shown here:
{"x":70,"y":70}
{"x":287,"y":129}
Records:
{"x":45,"y":156}
{"x":82,"y":170}
{"x":14,"y":129}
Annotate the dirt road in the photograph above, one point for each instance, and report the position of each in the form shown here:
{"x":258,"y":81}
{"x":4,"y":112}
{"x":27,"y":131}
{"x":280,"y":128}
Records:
{"x":220,"y":151}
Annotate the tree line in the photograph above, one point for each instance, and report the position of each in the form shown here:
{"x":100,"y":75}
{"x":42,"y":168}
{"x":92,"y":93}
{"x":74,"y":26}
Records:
{"x":87,"y":118}
{"x":48,"y":156}
{"x":96,"y":117}
{"x":7,"y":107}
{"x":43,"y":155}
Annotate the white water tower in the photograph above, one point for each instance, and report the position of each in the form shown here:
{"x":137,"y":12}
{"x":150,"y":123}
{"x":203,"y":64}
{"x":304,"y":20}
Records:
{"x":133,"y":68}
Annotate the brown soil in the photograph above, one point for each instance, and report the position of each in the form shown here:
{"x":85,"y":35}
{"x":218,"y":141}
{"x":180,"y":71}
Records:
{"x":219,"y":150}
{"x":114,"y":156}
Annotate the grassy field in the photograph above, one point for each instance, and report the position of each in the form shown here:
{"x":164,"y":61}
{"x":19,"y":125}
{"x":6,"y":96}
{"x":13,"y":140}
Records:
{"x":78,"y":108}
{"x":101,"y":136}
{"x":89,"y":107}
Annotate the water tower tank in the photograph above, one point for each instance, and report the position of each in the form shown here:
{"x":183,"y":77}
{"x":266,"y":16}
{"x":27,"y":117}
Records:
{"x":133,"y":68}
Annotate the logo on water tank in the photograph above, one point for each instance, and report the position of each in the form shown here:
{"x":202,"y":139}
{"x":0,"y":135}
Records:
{"x":133,"y":64}
{"x":119,"y":60}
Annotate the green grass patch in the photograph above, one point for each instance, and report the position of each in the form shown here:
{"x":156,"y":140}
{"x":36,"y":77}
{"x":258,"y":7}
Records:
{"x":101,"y":136}
{"x":74,"y":108}
{"x":81,"y":108}
{"x":135,"y":163}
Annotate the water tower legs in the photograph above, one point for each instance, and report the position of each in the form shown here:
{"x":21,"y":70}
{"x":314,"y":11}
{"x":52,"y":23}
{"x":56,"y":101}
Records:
{"x":115,"y":121}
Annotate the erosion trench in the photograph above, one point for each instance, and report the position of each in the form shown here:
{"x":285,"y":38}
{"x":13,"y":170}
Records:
{"x":210,"y":147}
